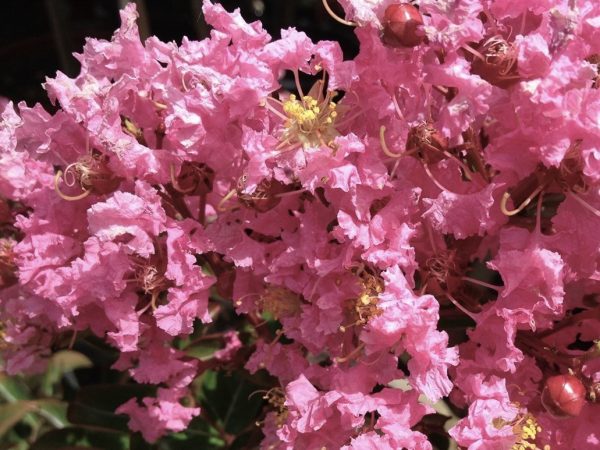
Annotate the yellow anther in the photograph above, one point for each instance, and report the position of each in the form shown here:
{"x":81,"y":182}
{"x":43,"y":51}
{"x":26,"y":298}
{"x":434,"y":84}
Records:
{"x":310,"y":119}
{"x":526,"y":429}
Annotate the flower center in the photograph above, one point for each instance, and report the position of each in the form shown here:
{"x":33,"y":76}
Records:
{"x":310,"y":121}
{"x":92,"y":174}
{"x":525,"y":428}
{"x":495,"y":61}
{"x":149,"y":275}
{"x":276,"y":399}
{"x":363,"y":308}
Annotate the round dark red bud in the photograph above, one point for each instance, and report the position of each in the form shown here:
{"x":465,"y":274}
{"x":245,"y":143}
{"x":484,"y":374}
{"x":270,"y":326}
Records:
{"x":402,"y":26}
{"x":564,"y":395}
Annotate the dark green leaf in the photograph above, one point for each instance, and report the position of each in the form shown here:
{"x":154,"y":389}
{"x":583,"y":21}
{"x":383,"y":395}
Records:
{"x":13,"y":388}
{"x":61,"y":363}
{"x":74,"y":438}
{"x":231,"y":400}
{"x":54,"y":411}
{"x":96,"y":405}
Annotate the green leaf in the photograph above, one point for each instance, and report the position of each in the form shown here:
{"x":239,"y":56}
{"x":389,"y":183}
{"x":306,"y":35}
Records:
{"x":76,"y":438}
{"x":62,"y":362}
{"x":13,"y":413}
{"x":69,"y":360}
{"x":99,"y":352}
{"x":54,"y":411}
{"x":13,"y":441}
{"x":230,"y":400}
{"x":96,"y":405}
{"x":13,"y":388}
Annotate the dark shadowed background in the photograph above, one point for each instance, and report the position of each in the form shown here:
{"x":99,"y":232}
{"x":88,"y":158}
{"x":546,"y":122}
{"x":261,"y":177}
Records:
{"x":38,"y":37}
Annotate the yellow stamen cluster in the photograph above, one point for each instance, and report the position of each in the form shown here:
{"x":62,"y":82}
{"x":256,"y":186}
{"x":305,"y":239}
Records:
{"x":366,"y":305}
{"x":526,"y":429}
{"x":307,"y":113}
{"x":279,"y":302}
{"x":310,"y":120}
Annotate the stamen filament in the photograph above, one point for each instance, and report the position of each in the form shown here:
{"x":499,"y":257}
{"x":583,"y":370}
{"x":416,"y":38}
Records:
{"x":347,"y":120}
{"x":393,"y":171}
{"x":72,"y":179}
{"x":290,"y":193}
{"x":523,"y":205}
{"x":298,"y":85}
{"x":352,"y":354}
{"x":538,"y":213}
{"x":221,"y":205}
{"x":175,"y":184}
{"x":446,"y":153}
{"x":435,"y":181}
{"x":274,"y":111}
{"x":473,"y":52}
{"x":72,"y":340}
{"x":153,"y":300}
{"x":70,"y":198}
{"x":384,"y":146}
{"x":279,"y":102}
{"x":335,"y":17}
{"x":583,"y":203}
{"x":461,"y":307}
{"x":482,"y":283}
{"x":441,"y":89}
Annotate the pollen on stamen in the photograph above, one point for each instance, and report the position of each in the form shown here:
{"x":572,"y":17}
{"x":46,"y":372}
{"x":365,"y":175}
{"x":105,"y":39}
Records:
{"x":526,"y":430}
{"x":309,"y":120}
{"x":365,"y":306}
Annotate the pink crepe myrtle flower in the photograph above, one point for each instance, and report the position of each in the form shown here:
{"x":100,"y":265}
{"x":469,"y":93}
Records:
{"x":155,"y":417}
{"x":435,"y":224}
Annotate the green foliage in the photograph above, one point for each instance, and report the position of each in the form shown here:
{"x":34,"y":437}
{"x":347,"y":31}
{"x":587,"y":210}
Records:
{"x":71,"y":406}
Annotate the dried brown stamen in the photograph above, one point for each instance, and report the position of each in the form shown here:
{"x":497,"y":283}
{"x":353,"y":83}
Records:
{"x":91,"y":173}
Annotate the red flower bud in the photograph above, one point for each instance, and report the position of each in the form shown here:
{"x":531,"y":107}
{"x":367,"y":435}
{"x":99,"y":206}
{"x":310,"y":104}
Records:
{"x":564,"y":395}
{"x":402,"y":26}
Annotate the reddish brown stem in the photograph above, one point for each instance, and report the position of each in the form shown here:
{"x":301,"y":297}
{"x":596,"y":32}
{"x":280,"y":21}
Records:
{"x":571,"y":320}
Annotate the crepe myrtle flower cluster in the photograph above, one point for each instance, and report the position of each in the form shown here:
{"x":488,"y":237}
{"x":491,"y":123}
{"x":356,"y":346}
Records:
{"x":426,"y":215}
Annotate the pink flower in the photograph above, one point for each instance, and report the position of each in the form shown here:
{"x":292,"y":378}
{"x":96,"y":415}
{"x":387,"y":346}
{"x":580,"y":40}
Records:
{"x":408,"y":323}
{"x":157,"y":416}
